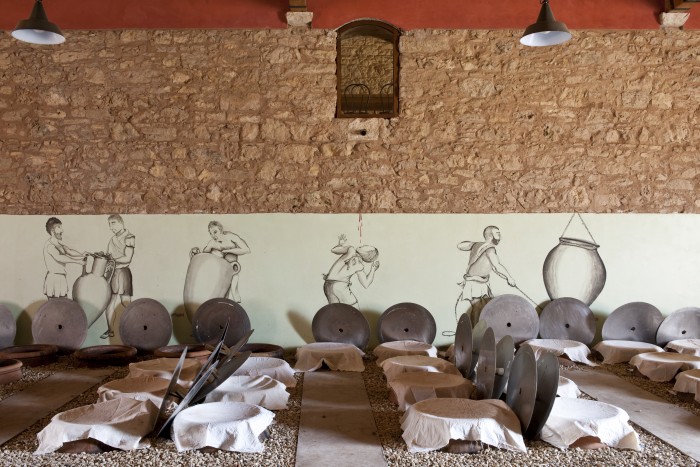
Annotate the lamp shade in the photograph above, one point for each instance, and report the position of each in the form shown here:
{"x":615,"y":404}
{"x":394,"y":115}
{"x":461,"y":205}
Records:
{"x":37,"y":29}
{"x":546,"y":31}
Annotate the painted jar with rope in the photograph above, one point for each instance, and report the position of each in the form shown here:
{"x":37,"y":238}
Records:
{"x":574,"y":268}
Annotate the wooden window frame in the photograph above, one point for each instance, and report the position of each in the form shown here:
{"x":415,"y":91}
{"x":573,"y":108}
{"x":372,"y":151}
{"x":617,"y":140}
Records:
{"x":396,"y":34}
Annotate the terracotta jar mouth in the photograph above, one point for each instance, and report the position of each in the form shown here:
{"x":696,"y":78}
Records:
{"x":579,"y":243}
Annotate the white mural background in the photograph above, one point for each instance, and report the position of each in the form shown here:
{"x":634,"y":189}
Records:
{"x":649,"y":257}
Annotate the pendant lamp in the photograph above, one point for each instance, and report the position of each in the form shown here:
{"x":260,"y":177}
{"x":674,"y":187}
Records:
{"x":37,"y":29}
{"x":546,"y":30}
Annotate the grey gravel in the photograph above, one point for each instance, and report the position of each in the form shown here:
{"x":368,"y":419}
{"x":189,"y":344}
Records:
{"x":280,"y":447}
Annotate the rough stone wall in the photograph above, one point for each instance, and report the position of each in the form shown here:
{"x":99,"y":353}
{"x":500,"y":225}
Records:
{"x":369,"y":61}
{"x":243,"y":121}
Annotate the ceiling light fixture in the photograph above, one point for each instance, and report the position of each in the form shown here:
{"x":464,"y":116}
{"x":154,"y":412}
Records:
{"x":546,"y":30}
{"x":37,"y":29}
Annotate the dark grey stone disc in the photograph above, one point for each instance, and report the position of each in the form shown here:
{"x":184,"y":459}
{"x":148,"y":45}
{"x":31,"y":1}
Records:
{"x":338,"y":322}
{"x":547,"y":385}
{"x":486,"y":369}
{"x":522,"y":385}
{"x":8,"y":327}
{"x":210,"y":320}
{"x":505,"y":352}
{"x":636,"y":321}
{"x":463,"y":345}
{"x":569,"y":319}
{"x":681,"y":324}
{"x":146,"y":325}
{"x":60,"y":322}
{"x":511,"y":315}
{"x":405,"y":321}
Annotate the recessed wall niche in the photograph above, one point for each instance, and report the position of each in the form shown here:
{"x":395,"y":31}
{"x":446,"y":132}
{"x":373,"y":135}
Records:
{"x":368,"y":70}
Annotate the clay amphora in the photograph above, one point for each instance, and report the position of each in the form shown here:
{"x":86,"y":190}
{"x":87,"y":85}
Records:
{"x":574,"y":269}
{"x":92,"y":290}
{"x":208,"y":276}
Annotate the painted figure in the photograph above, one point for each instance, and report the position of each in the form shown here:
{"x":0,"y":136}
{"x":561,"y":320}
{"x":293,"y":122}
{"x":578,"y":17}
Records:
{"x":337,"y":285}
{"x":483,"y":259}
{"x":120,"y":248}
{"x":56,"y":256}
{"x":229,"y":246}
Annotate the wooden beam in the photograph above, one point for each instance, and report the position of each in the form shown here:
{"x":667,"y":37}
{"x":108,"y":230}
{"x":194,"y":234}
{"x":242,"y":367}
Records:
{"x":682,"y":5}
{"x":297,"y":5}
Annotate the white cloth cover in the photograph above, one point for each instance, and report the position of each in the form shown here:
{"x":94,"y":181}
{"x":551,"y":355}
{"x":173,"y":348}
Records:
{"x":255,"y":390}
{"x":396,"y":365}
{"x":573,"y":350}
{"x":614,"y":351}
{"x":231,"y":426}
{"x":407,"y":347}
{"x":686,"y":346}
{"x":142,"y":388}
{"x":567,"y":388}
{"x":337,"y":355}
{"x":663,"y":366}
{"x":413,"y":387}
{"x":572,"y":419}
{"x":164,"y":368}
{"x":275,"y":368}
{"x":430,"y":424}
{"x":688,"y":381}
{"x":120,"y":423}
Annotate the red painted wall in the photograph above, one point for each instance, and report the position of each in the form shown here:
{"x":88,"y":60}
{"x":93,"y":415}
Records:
{"x":406,"y":14}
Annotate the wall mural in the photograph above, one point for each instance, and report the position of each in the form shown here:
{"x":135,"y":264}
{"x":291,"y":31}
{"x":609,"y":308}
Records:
{"x":213,"y":271}
{"x":181,"y":265}
{"x":337,"y":285}
{"x":483,"y":259}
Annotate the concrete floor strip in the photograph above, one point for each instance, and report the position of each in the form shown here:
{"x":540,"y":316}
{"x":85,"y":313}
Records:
{"x":22,"y":410}
{"x":337,"y":426}
{"x":672,"y":424}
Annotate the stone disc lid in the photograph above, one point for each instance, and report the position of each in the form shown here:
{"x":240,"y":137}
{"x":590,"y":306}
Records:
{"x":522,"y":385}
{"x":636,"y":321}
{"x":60,"y":322}
{"x":681,"y":324}
{"x":511,"y":315}
{"x":407,"y":321}
{"x":8,"y":327}
{"x":338,"y":322}
{"x":505,"y":353}
{"x":210,"y":321}
{"x":547,"y":386}
{"x":146,"y":325}
{"x":568,"y":319}
{"x":486,"y":369}
{"x":463,"y":345}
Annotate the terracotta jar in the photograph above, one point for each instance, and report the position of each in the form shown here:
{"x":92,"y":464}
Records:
{"x":92,"y":289}
{"x":574,"y":269}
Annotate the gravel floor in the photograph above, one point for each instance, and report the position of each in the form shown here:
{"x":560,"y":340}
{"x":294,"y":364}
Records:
{"x":280,"y":448}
